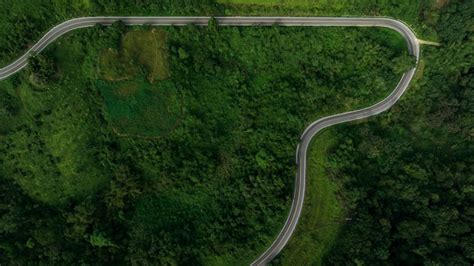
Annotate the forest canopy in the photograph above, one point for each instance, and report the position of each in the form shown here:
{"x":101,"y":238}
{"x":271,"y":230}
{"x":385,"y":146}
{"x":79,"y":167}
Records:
{"x":175,"y":145}
{"x":192,"y":167}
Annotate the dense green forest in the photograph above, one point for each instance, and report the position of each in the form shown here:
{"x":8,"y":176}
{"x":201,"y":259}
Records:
{"x":408,"y":175}
{"x":176,"y":145}
{"x":104,"y":164}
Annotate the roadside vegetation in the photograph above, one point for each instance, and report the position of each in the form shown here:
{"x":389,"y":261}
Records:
{"x":421,"y":15}
{"x":24,"y":22}
{"x":324,"y":212}
{"x":408,"y":175}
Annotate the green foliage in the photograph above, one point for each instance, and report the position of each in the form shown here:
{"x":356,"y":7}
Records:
{"x":97,"y":239}
{"x":216,"y":187}
{"x":408,"y":175}
{"x":123,"y":189}
{"x":53,"y":160}
{"x":10,"y":108}
{"x":177,"y":221}
{"x":42,"y":68}
{"x":456,"y":24}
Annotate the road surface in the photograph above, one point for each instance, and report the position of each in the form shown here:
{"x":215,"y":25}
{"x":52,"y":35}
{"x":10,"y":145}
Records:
{"x":302,"y":149}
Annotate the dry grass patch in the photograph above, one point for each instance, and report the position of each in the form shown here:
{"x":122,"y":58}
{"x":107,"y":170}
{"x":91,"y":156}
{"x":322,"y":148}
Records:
{"x":139,"y":48}
{"x":148,"y":47}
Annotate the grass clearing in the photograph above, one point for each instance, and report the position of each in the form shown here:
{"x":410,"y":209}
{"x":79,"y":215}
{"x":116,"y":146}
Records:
{"x":138,"y":108}
{"x":148,"y":47}
{"x":323,"y":212}
{"x":138,"y":47}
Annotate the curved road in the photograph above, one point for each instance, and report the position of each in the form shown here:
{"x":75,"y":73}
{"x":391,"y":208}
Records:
{"x":311,"y":130}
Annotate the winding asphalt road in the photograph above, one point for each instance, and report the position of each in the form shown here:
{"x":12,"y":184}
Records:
{"x":311,"y":130}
